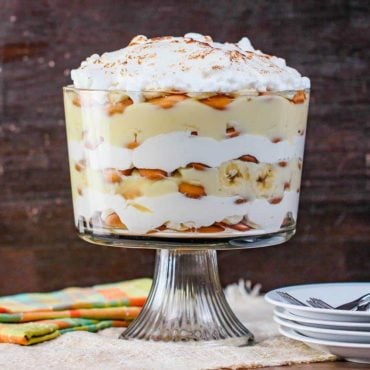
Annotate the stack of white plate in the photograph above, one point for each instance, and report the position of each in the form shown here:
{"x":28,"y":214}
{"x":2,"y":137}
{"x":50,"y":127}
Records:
{"x":341,"y":332}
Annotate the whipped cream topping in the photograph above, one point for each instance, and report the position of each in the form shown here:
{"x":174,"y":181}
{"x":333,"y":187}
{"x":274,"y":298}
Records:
{"x":173,"y":150}
{"x":193,"y":63}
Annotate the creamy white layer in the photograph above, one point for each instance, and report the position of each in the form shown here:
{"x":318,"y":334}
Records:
{"x":193,"y":63}
{"x":147,"y":213}
{"x":174,"y":150}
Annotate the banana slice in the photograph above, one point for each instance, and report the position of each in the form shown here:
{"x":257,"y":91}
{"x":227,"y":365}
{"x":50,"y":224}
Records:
{"x":235,"y":178}
{"x":266,"y":181}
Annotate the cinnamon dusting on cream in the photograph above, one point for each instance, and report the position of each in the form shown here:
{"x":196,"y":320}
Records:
{"x":193,"y":63}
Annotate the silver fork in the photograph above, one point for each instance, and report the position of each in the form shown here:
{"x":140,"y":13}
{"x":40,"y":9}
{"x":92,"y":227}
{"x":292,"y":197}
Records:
{"x":318,"y":303}
{"x":365,"y":299}
{"x":358,"y":304}
{"x":290,"y":299}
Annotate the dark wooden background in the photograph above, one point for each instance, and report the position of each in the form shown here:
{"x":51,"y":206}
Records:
{"x":40,"y":41}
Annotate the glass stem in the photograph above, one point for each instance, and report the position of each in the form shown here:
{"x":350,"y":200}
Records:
{"x":186,"y":302}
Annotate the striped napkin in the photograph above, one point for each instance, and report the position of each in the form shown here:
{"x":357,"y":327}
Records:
{"x":31,"y":318}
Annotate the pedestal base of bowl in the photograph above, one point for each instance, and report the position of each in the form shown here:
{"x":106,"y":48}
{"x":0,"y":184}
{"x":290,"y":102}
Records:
{"x":186,"y":302}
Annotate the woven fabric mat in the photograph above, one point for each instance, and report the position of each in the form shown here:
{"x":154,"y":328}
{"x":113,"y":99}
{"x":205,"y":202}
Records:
{"x":83,"y":350}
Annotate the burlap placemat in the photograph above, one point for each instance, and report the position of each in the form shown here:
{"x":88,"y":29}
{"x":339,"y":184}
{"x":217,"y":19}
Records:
{"x":83,"y":350}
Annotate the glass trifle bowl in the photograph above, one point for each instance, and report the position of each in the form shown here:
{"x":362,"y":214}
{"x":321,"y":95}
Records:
{"x":186,"y":172}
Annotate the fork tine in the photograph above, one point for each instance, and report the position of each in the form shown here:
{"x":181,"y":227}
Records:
{"x":318,"y":303}
{"x":290,"y":298}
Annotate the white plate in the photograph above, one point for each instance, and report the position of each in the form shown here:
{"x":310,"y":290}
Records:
{"x":349,"y":351}
{"x":325,"y":324}
{"x":327,"y":334}
{"x":334,"y":294}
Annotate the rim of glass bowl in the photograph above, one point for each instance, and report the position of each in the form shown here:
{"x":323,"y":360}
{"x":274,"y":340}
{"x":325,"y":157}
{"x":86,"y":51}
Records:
{"x":250,"y":92}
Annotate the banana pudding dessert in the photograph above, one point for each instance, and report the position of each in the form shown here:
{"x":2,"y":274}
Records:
{"x":185,"y":137}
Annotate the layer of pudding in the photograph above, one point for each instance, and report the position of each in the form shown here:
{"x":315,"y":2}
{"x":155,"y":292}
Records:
{"x":98,"y":118}
{"x":185,"y":166}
